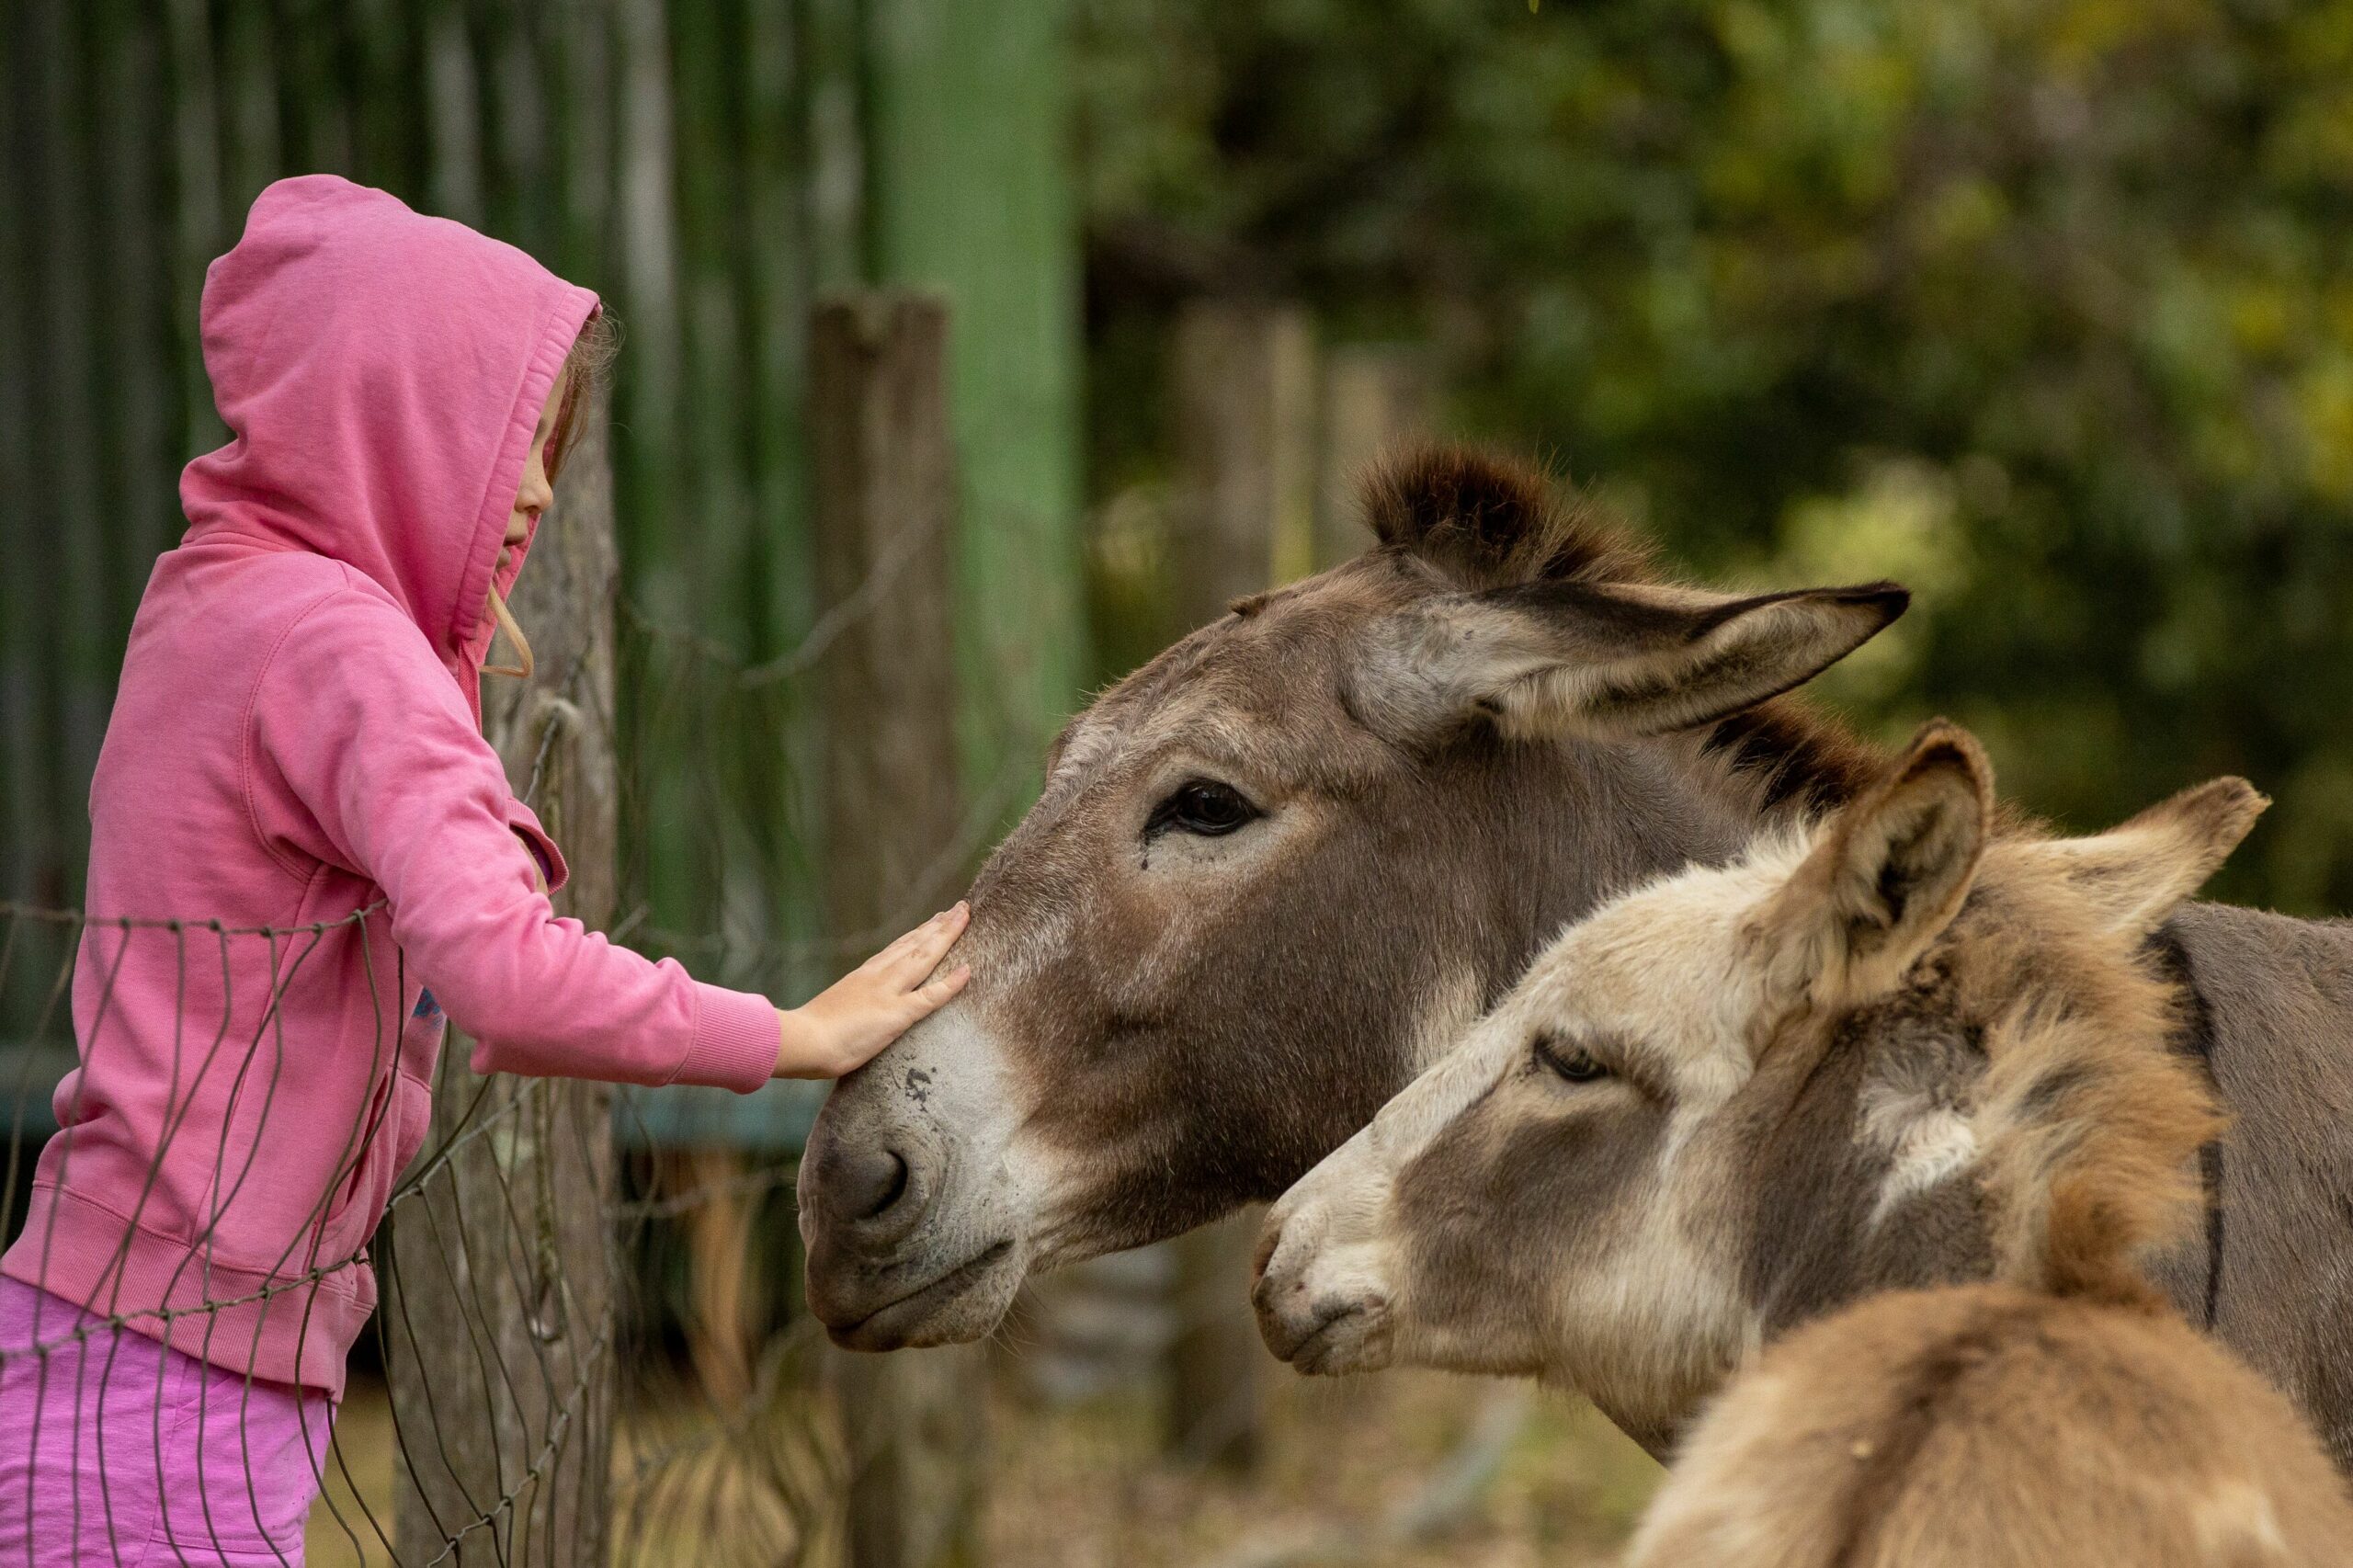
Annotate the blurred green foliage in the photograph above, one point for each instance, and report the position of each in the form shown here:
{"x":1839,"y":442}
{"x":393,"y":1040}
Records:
{"x":2043,"y":306}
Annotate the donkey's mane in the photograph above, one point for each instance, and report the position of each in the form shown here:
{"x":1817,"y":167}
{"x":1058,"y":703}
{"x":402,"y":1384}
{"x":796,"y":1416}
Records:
{"x":1792,"y":755}
{"x":2087,"y":1117}
{"x":1491,"y":521}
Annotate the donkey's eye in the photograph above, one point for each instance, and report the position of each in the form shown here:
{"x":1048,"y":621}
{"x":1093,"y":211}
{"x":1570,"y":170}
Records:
{"x":1568,"y":1062}
{"x":1202,"y":806}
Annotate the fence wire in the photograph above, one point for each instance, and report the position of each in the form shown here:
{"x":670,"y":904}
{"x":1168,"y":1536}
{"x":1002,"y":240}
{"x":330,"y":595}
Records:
{"x":521,"y":1334}
{"x":699,"y":1459}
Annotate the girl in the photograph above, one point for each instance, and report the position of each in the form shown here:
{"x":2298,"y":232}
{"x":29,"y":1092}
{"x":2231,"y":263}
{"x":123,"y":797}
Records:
{"x":296,"y":745}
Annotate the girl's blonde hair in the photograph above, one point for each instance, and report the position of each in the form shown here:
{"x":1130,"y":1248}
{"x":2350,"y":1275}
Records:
{"x":589,"y":366}
{"x":584,"y":372}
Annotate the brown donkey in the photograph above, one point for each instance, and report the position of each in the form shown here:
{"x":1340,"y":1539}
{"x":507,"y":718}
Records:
{"x":1740,"y":1097}
{"x":1278,"y":868}
{"x":2072,"y":1417}
{"x":1275,"y":869}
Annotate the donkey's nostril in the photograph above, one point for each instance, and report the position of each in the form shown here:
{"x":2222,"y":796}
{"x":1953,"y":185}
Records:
{"x":1263,"y":1253}
{"x":869,"y":1182}
{"x":893,"y":1186}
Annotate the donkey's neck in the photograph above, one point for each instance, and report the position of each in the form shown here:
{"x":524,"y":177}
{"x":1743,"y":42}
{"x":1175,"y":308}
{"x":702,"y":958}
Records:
{"x":1575,"y":823}
{"x":1540,"y":833}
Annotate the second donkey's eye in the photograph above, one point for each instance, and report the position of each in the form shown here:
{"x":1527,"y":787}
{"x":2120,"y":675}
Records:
{"x":1203,"y":807}
{"x":1568,"y":1062}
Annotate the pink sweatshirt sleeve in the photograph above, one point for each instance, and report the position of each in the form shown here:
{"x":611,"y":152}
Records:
{"x":367,"y":731}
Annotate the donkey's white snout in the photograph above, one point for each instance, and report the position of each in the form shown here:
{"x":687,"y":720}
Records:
{"x":1323,"y":1307}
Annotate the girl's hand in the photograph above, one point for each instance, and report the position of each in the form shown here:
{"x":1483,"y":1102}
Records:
{"x":847,"y":1023}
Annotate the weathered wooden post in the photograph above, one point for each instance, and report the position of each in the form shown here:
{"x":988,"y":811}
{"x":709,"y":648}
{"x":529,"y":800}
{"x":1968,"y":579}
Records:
{"x":1244,"y":396}
{"x":1377,"y":398}
{"x":497,"y":1300}
{"x":885,"y":511}
{"x":1244,"y":517}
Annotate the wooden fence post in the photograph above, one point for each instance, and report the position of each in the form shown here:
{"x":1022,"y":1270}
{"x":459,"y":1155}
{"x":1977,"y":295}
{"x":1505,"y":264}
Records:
{"x":1244,"y":397}
{"x":1377,"y":397}
{"x":498,"y":1298}
{"x":1244,"y":516}
{"x":884,"y":513}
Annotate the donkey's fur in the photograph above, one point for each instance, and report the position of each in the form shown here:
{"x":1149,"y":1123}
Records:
{"x":1986,"y":1426}
{"x":1889,"y":1051}
{"x":1455,"y":745}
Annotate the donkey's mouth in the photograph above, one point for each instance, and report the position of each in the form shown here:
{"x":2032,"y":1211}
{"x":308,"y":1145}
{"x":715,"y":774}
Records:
{"x":1334,"y":1336}
{"x":926,"y":1315}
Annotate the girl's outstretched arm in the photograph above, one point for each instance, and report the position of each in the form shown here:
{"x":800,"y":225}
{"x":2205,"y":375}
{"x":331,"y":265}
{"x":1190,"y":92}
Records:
{"x":361,"y":735}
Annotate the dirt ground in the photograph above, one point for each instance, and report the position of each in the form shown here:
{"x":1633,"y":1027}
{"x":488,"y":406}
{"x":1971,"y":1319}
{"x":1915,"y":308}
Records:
{"x":1083,"y":1486}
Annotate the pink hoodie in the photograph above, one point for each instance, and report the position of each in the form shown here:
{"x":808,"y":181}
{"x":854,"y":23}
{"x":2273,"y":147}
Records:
{"x":297,"y":744}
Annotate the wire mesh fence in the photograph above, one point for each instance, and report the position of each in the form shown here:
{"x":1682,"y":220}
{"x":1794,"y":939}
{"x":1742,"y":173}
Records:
{"x":703,"y":1455}
{"x":539,"y":1245}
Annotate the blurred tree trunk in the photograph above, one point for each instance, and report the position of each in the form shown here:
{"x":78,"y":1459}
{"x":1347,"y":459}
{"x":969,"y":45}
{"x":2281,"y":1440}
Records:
{"x":28,"y":862}
{"x":1244,"y":415}
{"x":198,"y":211}
{"x":128,"y":199}
{"x":1378,"y":400}
{"x":885,"y":478}
{"x":969,"y":191}
{"x":251,"y":148}
{"x":453,"y":114}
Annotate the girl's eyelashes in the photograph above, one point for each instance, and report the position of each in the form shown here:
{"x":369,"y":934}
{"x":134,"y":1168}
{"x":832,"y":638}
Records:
{"x":1571,"y":1063}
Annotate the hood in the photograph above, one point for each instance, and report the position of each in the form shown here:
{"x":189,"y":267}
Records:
{"x":381,"y":374}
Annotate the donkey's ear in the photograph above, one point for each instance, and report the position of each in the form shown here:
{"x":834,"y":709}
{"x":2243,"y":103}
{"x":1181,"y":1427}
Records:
{"x":2136,"y":874}
{"x":1889,"y":874}
{"x":1605,"y":661}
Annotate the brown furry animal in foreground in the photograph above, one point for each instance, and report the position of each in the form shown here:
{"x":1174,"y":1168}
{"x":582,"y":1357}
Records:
{"x":1986,"y":1427}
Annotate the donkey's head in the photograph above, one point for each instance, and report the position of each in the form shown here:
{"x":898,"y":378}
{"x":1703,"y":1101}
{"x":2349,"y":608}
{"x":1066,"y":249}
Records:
{"x":1889,"y":1049}
{"x":1277,"y":867}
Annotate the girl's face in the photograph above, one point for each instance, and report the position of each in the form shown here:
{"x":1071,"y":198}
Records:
{"x":537,"y":494}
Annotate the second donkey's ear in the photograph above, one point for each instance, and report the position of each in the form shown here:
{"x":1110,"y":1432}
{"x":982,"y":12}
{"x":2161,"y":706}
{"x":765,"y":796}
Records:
{"x":2137,"y":873}
{"x":1890,"y":872}
{"x":1605,"y":661}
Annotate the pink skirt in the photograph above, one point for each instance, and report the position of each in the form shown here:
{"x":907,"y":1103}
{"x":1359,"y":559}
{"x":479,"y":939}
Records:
{"x":117,"y":1450}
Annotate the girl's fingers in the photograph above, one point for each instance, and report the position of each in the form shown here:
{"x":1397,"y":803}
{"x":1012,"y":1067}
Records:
{"x":930,"y":932}
{"x":923,"y":947}
{"x":934,"y":995}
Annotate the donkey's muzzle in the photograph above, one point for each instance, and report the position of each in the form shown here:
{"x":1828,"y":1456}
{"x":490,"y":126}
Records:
{"x":871,"y":1173}
{"x":1320,"y":1318}
{"x":906,"y":1244}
